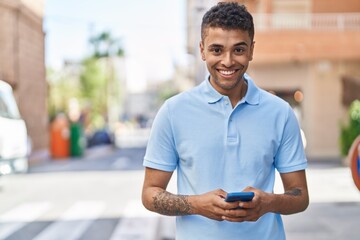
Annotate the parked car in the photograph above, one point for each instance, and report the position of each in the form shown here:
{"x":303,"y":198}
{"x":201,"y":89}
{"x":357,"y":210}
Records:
{"x":14,"y":142}
{"x":100,"y":137}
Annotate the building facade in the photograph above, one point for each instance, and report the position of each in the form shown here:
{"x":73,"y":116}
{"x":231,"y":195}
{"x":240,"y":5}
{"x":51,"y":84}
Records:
{"x":22,"y":63}
{"x":305,"y":52}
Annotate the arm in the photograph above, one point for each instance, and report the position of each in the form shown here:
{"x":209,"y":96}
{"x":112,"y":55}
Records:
{"x":294,"y":199}
{"x":155,"y":198}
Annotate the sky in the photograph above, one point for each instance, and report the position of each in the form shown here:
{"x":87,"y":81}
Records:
{"x":152,"y":33}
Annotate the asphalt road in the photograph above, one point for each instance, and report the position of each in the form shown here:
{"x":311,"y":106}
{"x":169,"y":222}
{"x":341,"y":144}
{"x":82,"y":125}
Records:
{"x":97,"y":197}
{"x":102,"y":158}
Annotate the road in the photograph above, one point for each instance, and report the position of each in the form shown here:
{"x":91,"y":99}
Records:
{"x":334,"y":210}
{"x":98,"y":198}
{"x":94,"y":198}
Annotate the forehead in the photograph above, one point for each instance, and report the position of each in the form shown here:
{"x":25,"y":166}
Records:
{"x":217,"y":35}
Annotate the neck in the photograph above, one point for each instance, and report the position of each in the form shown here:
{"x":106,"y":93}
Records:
{"x":237,"y":96}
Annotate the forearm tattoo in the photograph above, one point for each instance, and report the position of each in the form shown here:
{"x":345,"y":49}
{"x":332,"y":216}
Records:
{"x":294,"y":192}
{"x":171,"y":205}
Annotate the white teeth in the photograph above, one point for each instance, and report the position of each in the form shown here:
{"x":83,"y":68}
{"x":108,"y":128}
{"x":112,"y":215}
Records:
{"x":226,"y":72}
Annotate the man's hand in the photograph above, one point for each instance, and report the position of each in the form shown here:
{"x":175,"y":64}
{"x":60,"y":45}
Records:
{"x":212,"y":204}
{"x":249,"y":211}
{"x":295,"y":199}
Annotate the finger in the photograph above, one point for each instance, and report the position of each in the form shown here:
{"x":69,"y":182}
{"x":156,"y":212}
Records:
{"x":221,"y":193}
{"x":233,"y":219}
{"x":241,"y":217}
{"x":229,"y":205}
{"x":218,"y":211}
{"x":248,"y":189}
{"x":247,"y":205}
{"x":236,"y":213}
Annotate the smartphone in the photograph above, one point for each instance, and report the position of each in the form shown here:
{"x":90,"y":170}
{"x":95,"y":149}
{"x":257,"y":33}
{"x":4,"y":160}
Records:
{"x":239,"y":196}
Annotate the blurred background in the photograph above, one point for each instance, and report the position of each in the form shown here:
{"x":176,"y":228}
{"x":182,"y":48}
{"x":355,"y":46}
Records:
{"x":88,"y":77}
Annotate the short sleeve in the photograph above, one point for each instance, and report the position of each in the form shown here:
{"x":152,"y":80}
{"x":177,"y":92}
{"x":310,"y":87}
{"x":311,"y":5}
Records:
{"x":290,"y":156}
{"x":161,"y":153}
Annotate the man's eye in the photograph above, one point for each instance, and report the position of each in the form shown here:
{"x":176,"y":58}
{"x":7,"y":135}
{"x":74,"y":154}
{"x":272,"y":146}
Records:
{"x":216,"y":50}
{"x":239,"y":50}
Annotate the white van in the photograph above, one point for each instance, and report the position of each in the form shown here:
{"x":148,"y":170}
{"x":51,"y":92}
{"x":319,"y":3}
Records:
{"x":14,"y":146}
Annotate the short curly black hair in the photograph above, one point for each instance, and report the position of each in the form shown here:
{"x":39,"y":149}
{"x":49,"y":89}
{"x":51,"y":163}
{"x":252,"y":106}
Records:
{"x":228,"y":16}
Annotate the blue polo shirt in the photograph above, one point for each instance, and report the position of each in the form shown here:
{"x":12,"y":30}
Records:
{"x":213,"y":145}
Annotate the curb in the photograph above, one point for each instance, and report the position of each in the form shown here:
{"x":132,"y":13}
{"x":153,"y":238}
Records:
{"x":40,"y":157}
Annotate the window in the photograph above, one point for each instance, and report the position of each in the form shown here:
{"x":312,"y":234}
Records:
{"x":8,"y":107}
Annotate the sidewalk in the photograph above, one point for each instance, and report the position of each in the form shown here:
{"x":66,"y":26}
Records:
{"x":43,"y":156}
{"x":334,"y":210}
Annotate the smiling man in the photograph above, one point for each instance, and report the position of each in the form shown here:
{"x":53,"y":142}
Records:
{"x":227,"y":54}
{"x":226,"y":135}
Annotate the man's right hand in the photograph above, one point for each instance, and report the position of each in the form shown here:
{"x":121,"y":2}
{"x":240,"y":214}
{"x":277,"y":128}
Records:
{"x":212,"y":204}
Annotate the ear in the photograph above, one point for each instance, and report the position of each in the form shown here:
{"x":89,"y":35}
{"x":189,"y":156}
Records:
{"x":202,"y":50}
{"x":252,"y":50}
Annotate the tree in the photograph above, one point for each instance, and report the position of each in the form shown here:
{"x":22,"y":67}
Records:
{"x":93,"y":89}
{"x":106,"y":46}
{"x":62,"y":87}
{"x":92,"y":82}
{"x":98,"y":85}
{"x":352,"y":130}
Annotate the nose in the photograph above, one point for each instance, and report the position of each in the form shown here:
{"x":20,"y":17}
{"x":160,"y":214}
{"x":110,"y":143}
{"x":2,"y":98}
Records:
{"x":227,"y":60}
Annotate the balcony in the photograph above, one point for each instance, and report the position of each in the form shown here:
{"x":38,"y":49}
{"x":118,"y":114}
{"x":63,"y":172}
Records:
{"x":310,"y":22}
{"x":306,"y":37}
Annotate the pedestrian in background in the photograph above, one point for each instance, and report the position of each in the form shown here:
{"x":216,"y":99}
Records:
{"x":226,"y":135}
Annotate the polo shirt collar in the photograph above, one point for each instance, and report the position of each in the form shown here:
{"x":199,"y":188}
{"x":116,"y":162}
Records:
{"x":212,"y":96}
{"x":252,"y":96}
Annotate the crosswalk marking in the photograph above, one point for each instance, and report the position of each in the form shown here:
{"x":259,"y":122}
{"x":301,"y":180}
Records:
{"x":18,"y":217}
{"x":74,"y":222}
{"x":137,"y":223}
{"x":136,"y":228}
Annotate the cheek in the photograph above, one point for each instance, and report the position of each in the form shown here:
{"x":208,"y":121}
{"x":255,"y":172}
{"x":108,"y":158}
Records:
{"x":244,"y":59}
{"x":212,"y":61}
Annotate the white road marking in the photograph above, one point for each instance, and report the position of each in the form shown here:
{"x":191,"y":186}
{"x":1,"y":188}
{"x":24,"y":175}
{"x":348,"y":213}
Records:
{"x":74,"y":222}
{"x":137,"y":223}
{"x":20,"y":216}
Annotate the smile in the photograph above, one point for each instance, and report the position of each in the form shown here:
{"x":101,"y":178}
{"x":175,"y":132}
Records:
{"x":226,"y":73}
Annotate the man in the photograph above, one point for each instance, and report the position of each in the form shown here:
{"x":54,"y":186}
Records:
{"x":226,"y":135}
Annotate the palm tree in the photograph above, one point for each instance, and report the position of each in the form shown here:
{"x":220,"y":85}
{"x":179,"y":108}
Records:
{"x":106,"y":46}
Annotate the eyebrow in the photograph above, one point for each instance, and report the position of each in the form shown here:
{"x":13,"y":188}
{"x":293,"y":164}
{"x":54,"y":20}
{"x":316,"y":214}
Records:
{"x":235,"y":45}
{"x":241,"y":44}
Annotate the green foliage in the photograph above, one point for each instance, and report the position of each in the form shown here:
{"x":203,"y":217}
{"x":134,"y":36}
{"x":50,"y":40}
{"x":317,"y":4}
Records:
{"x":92,"y":82}
{"x":352,"y":130}
{"x":92,"y":79}
{"x":166,"y":94}
{"x":106,"y":46}
{"x":93,"y":87}
{"x":62,"y":87}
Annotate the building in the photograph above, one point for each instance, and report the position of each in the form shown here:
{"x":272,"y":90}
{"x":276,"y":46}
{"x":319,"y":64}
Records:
{"x":306,"y":51}
{"x":22,"y":63}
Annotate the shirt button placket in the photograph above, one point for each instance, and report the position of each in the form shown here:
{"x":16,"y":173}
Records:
{"x":231,"y":133}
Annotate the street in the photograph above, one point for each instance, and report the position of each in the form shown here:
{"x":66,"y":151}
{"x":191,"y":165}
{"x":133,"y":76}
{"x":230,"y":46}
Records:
{"x":98,"y":197}
{"x":92,"y":198}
